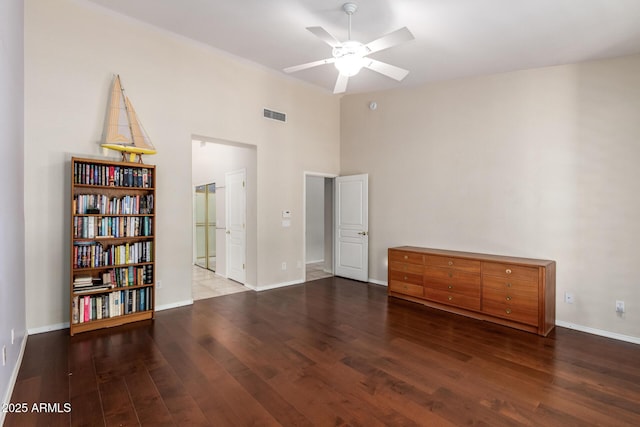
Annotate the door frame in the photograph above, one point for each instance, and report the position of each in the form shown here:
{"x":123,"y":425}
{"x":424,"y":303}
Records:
{"x":305,"y":174}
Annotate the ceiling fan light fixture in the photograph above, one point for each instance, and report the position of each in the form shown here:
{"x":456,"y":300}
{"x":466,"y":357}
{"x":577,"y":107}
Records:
{"x":350,"y":64}
{"x":350,"y":57}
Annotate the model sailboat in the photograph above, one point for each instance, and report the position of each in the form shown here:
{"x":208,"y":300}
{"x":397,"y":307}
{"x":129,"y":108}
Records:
{"x":123,"y":130}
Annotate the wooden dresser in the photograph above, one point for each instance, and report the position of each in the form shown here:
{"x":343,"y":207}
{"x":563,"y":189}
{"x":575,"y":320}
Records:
{"x":516,"y":292}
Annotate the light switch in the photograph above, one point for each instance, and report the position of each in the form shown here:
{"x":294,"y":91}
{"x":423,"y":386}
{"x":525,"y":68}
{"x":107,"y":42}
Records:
{"x":286,"y":223}
{"x":286,"y":214}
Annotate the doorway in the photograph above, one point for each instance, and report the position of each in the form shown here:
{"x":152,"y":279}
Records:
{"x":205,"y":226}
{"x":318,"y":250}
{"x":212,"y":160}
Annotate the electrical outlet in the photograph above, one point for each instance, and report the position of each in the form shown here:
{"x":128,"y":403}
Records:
{"x":619,"y":306}
{"x":568,"y":297}
{"x":284,"y":265}
{"x":159,"y":284}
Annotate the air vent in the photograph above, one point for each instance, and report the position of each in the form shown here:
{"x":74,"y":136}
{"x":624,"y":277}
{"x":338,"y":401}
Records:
{"x":274,"y":115}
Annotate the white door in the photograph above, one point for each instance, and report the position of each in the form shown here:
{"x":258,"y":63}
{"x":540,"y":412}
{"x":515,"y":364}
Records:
{"x":235,"y":195}
{"x":352,"y":227}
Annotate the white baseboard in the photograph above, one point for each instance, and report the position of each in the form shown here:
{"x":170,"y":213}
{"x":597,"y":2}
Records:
{"x":378,"y":282}
{"x":174,"y":305}
{"x":47,"y":328}
{"x":602,"y":333}
{"x":314,"y":261}
{"x":14,"y":377}
{"x":279,"y":285}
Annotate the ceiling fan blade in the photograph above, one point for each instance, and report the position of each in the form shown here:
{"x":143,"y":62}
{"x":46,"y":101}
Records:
{"x":391,"y":39}
{"x":324,"y":35}
{"x":309,"y":65}
{"x":341,"y":84}
{"x":388,"y":70}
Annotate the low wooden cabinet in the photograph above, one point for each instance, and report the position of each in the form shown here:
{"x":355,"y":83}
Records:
{"x":516,"y":292}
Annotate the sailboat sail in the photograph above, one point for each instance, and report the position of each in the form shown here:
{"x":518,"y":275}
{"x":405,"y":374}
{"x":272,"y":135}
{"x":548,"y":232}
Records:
{"x":124,"y":132}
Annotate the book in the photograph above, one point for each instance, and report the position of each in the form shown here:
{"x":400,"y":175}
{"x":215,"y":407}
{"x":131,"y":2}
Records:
{"x":94,"y":288}
{"x":75,"y":315}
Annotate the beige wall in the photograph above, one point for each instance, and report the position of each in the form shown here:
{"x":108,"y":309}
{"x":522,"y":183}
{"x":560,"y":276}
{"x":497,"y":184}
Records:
{"x":179,"y":89}
{"x":12,"y":223}
{"x":539,"y":163}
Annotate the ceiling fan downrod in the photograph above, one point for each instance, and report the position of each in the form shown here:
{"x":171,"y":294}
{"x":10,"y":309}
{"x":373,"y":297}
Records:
{"x":349,"y":9}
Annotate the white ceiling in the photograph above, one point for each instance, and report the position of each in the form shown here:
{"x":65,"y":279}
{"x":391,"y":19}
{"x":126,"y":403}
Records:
{"x":454,"y":38}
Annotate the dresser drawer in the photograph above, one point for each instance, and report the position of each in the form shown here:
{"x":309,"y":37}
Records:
{"x":405,"y":268}
{"x":452,"y":281}
{"x":504,"y":285}
{"x":401,"y":276}
{"x":452,"y":262}
{"x":523,"y":313}
{"x":452,"y":298}
{"x":510,"y":271}
{"x":406,"y":257}
{"x":406,"y":288}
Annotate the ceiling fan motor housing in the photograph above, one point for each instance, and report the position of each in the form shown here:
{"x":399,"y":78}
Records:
{"x":350,"y":8}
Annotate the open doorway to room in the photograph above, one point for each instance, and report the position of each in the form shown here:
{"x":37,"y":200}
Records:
{"x":213,"y":162}
{"x":318,"y":234}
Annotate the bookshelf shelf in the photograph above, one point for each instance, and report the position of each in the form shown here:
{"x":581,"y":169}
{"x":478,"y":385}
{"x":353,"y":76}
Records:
{"x":112,"y":243}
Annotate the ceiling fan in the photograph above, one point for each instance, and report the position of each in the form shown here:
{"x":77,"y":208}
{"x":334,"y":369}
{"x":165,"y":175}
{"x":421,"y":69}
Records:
{"x":349,"y":57}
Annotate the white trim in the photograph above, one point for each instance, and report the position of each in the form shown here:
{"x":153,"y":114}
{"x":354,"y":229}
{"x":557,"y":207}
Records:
{"x":14,"y":377}
{"x":378,"y":282}
{"x":47,"y":328}
{"x":316,"y":261}
{"x":279,"y":285}
{"x":594,"y":331}
{"x":174,"y":305}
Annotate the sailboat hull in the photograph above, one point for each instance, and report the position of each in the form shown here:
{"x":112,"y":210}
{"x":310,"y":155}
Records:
{"x":128,"y":148}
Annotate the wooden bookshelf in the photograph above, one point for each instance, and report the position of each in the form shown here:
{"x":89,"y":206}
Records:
{"x":112,"y":246}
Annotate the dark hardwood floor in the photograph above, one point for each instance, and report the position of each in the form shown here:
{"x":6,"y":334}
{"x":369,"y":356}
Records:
{"x":330,"y":352}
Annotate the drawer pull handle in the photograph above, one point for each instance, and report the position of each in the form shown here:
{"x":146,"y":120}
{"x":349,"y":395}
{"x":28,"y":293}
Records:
{"x":406,"y":257}
{"x":450,"y":298}
{"x":405,"y":277}
{"x":508,"y":298}
{"x":508,"y":311}
{"x":450,"y":286}
{"x":450,"y":262}
{"x":508,"y":271}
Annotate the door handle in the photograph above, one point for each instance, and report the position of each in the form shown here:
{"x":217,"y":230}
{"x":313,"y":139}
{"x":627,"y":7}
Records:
{"x":228,"y":231}
{"x":363,"y":233}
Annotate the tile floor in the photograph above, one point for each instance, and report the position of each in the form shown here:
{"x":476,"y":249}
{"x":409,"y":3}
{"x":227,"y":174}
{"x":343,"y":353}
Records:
{"x":206,"y":284}
{"x":316,"y":271}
